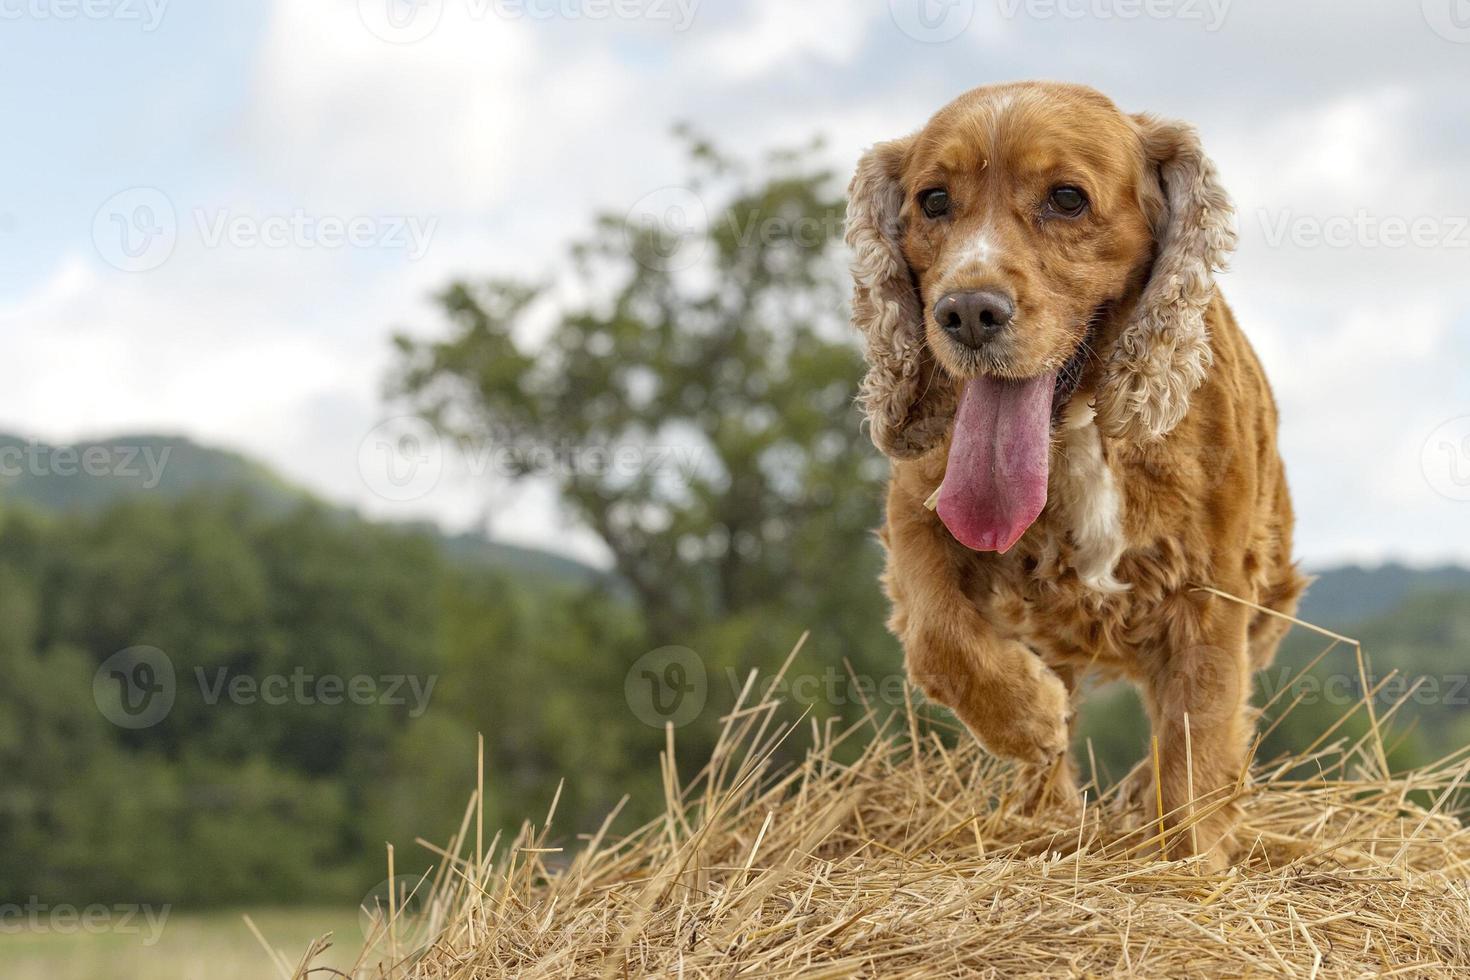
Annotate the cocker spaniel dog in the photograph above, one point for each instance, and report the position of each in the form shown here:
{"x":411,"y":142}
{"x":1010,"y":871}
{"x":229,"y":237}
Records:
{"x":1081,"y":437}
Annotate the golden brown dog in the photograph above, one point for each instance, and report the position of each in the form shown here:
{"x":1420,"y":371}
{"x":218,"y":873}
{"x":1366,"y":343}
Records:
{"x":1034,"y":277}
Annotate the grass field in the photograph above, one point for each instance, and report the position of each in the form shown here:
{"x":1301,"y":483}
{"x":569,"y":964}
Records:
{"x":199,"y":946}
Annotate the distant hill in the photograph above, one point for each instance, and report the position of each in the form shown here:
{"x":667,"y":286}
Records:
{"x":478,"y":550}
{"x":1342,"y":597}
{"x":86,"y":477}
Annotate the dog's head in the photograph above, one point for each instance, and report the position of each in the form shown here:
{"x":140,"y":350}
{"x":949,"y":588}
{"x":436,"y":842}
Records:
{"x":1032,"y":237}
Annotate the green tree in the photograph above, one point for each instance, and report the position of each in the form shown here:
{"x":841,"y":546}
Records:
{"x":712,"y":365}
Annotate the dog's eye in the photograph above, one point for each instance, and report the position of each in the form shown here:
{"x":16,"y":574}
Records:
{"x":1068,"y":201}
{"x":935,"y":202}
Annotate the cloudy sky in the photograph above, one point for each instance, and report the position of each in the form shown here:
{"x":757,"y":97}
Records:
{"x":214,"y":214}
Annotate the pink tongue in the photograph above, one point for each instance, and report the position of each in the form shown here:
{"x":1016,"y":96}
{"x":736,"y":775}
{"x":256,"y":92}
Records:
{"x":995,"y":484}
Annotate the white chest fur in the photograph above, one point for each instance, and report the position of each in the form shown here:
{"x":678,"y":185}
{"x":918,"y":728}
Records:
{"x":1084,"y":495}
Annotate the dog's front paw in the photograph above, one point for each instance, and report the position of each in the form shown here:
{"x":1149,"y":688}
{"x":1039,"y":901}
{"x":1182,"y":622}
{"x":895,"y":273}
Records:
{"x":1027,"y":718}
{"x":1012,"y":703}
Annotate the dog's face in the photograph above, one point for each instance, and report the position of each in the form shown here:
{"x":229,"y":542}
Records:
{"x":1023,"y":220}
{"x":992,"y":242}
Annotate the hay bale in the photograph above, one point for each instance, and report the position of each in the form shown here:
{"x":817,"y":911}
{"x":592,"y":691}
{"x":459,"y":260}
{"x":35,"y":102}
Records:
{"x":916,"y":861}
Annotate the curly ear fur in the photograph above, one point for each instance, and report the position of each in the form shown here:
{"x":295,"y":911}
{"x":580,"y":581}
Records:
{"x":907,"y":411}
{"x":1162,"y":354}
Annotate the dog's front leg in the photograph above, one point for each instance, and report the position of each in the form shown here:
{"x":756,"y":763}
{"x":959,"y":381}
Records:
{"x":1198,"y":697}
{"x":1012,"y":702}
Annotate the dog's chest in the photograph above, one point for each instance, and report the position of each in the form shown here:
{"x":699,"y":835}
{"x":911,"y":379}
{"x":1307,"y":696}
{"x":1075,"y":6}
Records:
{"x":1084,"y":523}
{"x":1060,"y":591}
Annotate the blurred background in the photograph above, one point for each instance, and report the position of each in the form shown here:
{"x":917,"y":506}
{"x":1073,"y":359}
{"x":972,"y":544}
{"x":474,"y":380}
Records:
{"x":382,"y":373}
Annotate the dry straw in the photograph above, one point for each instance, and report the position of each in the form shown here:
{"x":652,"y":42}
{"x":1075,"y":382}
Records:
{"x":916,"y":860}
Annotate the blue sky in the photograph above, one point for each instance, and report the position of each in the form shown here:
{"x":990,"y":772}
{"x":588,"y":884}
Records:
{"x":493,"y":127}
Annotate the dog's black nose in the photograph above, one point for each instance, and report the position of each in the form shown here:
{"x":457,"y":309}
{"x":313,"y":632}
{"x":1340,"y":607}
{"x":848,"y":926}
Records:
{"x":975,"y":316}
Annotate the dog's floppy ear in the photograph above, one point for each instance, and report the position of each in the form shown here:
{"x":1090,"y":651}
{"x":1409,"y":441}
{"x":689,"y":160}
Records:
{"x":1162,"y":354}
{"x":908,"y":408}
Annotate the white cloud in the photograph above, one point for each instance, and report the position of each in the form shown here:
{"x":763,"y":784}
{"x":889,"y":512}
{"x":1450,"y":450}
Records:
{"x":474,"y":116}
{"x":337,"y":111}
{"x":779,"y":34}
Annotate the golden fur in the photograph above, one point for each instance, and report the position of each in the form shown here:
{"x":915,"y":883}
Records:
{"x":1164,"y":471}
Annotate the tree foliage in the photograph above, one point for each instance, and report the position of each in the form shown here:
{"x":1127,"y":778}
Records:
{"x":710,"y":364}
